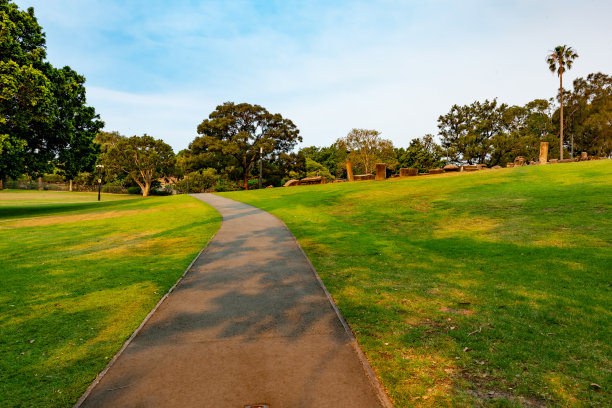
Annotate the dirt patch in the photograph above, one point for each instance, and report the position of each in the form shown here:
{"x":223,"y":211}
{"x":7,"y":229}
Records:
{"x":464,"y":312}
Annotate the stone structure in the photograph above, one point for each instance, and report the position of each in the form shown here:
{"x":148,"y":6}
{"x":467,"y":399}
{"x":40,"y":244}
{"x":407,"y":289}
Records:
{"x":312,"y":180}
{"x":381,"y":171}
{"x":362,"y":177}
{"x":292,"y":183}
{"x":435,"y":171}
{"x":519,"y":161}
{"x":584,"y":156}
{"x":470,"y":167}
{"x":349,"y":171}
{"x":408,"y":172}
{"x":543,"y":152}
{"x":451,"y":167}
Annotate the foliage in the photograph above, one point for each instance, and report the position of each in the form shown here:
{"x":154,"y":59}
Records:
{"x":134,"y":190}
{"x":82,"y":276}
{"x":467,"y":131}
{"x":589,"y":109}
{"x":314,"y":169}
{"x":142,"y":158}
{"x":197,"y":181}
{"x":474,"y":289}
{"x":329,"y":157}
{"x":44,"y":120}
{"x":422,"y":154}
{"x":232,"y":136}
{"x":365,"y":148}
{"x":558,"y":61}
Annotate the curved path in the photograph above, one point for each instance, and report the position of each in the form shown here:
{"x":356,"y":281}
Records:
{"x":250,"y":323}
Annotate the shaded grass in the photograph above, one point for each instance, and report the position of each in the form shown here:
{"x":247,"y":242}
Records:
{"x":79,"y":278}
{"x":482,"y":289}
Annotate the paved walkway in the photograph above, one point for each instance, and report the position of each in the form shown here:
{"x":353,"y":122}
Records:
{"x":248,"y":324}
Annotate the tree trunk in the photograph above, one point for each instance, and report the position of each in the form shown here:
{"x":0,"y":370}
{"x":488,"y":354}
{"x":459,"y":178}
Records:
{"x":145,"y":190}
{"x":70,"y":185}
{"x":1,"y":184}
{"x":561,"y":120}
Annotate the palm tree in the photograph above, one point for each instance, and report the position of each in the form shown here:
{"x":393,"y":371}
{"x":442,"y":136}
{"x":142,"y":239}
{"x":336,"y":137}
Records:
{"x":558,"y":60}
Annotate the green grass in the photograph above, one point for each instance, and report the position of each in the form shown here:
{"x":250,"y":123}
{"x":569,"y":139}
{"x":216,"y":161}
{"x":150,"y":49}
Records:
{"x":78,"y":277}
{"x":483,"y":289}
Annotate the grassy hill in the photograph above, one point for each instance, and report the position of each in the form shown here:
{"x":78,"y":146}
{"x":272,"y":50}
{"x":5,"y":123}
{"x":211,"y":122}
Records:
{"x":491,"y":288}
{"x":78,"y":276}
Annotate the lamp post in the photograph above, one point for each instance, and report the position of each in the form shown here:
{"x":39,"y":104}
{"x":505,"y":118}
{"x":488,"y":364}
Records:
{"x":99,"y":167}
{"x":260,"y":165}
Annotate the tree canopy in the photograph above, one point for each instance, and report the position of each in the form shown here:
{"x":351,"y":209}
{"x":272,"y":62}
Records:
{"x":44,"y":121}
{"x":365,"y":148}
{"x":232,"y":136}
{"x":141,"y":158}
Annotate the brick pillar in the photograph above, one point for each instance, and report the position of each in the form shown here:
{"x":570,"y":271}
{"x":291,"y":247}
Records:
{"x":381,"y":171}
{"x":349,"y":171}
{"x":543,"y":152}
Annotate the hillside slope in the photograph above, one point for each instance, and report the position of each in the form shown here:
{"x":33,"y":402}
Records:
{"x":488,"y":288}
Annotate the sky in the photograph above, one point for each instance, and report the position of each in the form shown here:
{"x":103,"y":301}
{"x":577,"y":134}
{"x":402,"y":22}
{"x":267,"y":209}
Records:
{"x":161,"y":67}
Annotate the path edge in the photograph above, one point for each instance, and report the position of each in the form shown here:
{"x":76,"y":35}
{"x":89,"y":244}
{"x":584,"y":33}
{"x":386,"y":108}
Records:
{"x":380,"y":390}
{"x":146,"y":319}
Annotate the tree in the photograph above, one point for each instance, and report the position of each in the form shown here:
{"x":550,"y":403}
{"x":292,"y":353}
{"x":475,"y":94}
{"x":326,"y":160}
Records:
{"x":314,"y":169}
{"x":141,"y":158}
{"x":467,"y":131}
{"x":422,"y":154}
{"x":234,"y":134}
{"x":329,"y":157}
{"x":558,"y":61}
{"x":589,"y":117}
{"x":42,"y":109}
{"x":365,"y":148}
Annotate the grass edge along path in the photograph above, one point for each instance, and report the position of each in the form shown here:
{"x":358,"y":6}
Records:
{"x":81,"y":279}
{"x":489,"y":288}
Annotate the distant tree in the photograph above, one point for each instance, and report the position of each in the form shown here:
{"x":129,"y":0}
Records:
{"x":143,"y":159}
{"x":422,"y":154}
{"x":589,"y":117}
{"x":233,"y":135}
{"x":365,"y":148}
{"x":467,"y":131}
{"x":314,"y":169}
{"x":42,"y":109}
{"x":560,"y":59}
{"x":523,"y":128}
{"x":330,"y":157}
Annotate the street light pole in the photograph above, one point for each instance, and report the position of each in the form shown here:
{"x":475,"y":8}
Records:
{"x":99,"y":167}
{"x":260,"y":165}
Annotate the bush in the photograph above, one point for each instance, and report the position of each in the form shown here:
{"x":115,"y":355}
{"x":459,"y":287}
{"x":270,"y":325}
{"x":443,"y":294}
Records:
{"x":112,"y":188}
{"x":198,"y":181}
{"x":134,"y":190}
{"x":52,"y":178}
{"x":224,"y":184}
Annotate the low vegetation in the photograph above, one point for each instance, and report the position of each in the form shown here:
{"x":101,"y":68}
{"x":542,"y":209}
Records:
{"x":78,"y":277}
{"x":488,"y":288}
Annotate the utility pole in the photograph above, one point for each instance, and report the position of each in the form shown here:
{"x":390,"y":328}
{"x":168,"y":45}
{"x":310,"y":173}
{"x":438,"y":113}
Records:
{"x":260,"y":165}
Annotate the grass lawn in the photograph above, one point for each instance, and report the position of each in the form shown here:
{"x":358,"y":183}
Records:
{"x":484,"y":289}
{"x":78,"y":277}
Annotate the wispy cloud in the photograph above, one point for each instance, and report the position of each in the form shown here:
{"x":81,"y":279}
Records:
{"x":161,"y":67}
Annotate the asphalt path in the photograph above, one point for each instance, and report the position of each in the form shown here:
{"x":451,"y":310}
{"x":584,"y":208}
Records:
{"x":250,"y":323}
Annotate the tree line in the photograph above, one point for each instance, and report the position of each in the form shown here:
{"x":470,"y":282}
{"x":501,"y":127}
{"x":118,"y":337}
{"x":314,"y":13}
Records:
{"x":46,"y":127}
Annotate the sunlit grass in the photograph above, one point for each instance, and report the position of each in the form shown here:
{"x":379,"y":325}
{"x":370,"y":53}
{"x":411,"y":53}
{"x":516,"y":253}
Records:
{"x":78,"y":277}
{"x":489,"y":288}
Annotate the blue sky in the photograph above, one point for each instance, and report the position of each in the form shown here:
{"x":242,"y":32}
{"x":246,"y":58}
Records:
{"x":160,"y":67}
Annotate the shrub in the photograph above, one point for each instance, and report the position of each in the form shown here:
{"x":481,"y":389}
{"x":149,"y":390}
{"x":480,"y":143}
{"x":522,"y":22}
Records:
{"x":134,"y":190}
{"x":198,"y":181}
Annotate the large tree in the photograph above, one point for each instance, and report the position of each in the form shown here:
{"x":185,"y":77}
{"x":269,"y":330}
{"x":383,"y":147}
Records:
{"x":141,"y":158}
{"x":467,"y":131}
{"x":365,"y":148}
{"x":589,"y":114}
{"x":232,"y":136}
{"x":422,"y":154}
{"x":560,"y":59}
{"x":42,"y":108}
